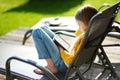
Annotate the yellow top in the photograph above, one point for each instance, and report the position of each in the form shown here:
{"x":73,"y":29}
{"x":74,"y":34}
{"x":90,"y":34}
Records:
{"x":67,"y":57}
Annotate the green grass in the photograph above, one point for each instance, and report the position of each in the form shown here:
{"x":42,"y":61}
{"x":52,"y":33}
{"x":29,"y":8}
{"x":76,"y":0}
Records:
{"x":16,"y":13}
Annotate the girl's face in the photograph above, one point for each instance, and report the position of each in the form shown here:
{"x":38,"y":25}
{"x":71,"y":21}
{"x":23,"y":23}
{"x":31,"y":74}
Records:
{"x":82,"y":26}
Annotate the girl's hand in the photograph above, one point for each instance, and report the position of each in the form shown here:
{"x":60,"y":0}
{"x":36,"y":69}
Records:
{"x":60,"y":49}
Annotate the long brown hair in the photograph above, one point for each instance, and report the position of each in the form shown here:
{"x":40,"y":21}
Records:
{"x":85,"y":13}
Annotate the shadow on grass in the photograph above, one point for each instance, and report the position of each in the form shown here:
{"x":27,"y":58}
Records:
{"x":47,"y":6}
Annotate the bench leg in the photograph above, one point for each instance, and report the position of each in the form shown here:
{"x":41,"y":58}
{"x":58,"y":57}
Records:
{"x":26,"y":36}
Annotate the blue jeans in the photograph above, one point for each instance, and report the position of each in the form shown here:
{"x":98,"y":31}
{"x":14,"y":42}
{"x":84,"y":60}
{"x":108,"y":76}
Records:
{"x":46,"y":48}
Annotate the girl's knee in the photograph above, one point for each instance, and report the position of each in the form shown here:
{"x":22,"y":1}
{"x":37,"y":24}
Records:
{"x":36,"y":32}
{"x":44,"y":27}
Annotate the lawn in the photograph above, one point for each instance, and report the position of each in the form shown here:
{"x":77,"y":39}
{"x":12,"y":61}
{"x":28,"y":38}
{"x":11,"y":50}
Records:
{"x":17,"y":13}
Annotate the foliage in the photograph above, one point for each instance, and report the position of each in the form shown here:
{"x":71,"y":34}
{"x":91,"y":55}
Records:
{"x":16,"y":13}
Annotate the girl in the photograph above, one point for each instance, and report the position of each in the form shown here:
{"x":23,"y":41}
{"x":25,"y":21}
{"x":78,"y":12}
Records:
{"x":58,"y":59}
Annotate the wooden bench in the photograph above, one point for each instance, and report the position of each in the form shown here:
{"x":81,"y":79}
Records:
{"x":55,"y":24}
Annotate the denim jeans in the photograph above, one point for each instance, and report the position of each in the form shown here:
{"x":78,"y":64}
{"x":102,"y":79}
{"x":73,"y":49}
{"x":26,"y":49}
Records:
{"x":46,"y":48}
